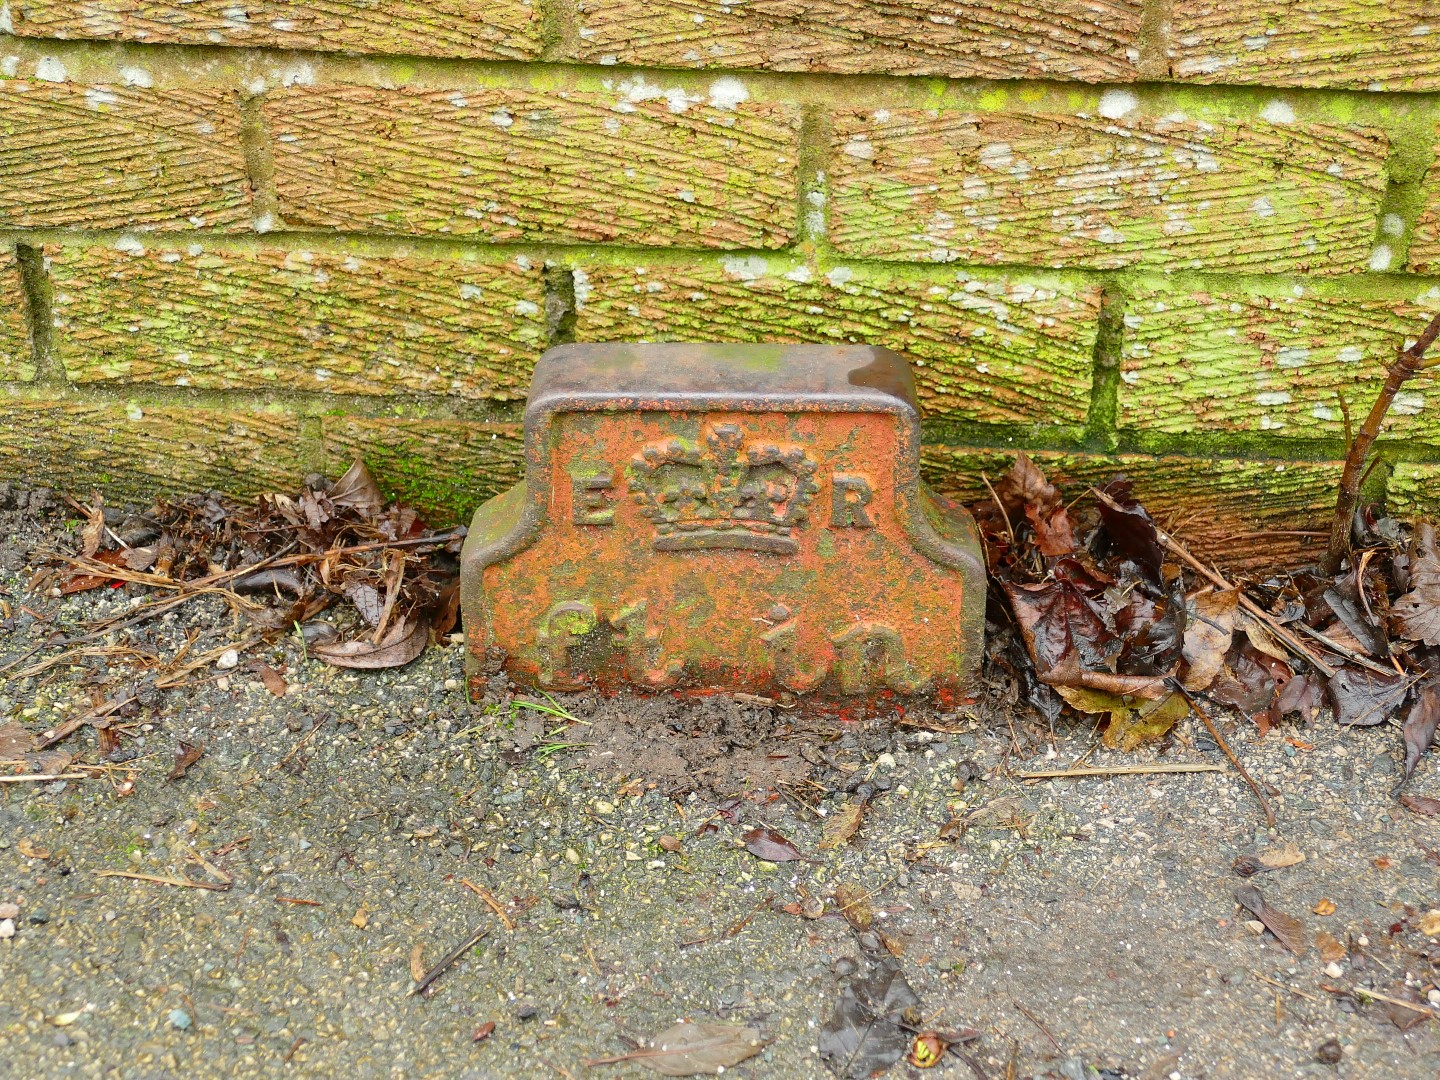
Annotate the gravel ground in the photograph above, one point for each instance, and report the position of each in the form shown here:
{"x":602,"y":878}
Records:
{"x":350,"y":812}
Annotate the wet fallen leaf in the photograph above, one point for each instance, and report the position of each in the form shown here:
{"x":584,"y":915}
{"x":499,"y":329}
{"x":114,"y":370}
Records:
{"x":1209,"y":627}
{"x":842,"y":825}
{"x":854,"y":904}
{"x":1275,"y":858}
{"x":1420,"y":724}
{"x":31,"y":850}
{"x":483,"y":1032}
{"x":893,"y":945}
{"x":692,"y":1049}
{"x":1130,"y":728}
{"x":1416,"y":615}
{"x":1363,"y":698}
{"x":94,"y":530}
{"x":769,"y":845}
{"x":1423,"y":805}
{"x":1286,"y":928}
{"x":186,"y":754}
{"x":1324,"y":907}
{"x":357,"y":490}
{"x":1026,"y":494}
{"x":1331,"y":951}
{"x":1130,"y":527}
{"x":1404,"y":1019}
{"x":864,"y":1034}
{"x":15,"y":741}
{"x":273,"y":680}
{"x":401,"y":644}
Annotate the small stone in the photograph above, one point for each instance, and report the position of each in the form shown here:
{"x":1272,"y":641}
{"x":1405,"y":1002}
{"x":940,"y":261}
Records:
{"x":9,"y":911}
{"x":1255,"y":926}
{"x":631,"y":856}
{"x":1334,"y":970}
{"x":1430,"y":923}
{"x":572,"y":856}
{"x":228,"y":659}
{"x":1329,"y":1052}
{"x":1433,"y":997}
{"x":62,"y":1040}
{"x":845,"y":965}
{"x":886,"y":761}
{"x":7,"y":928}
{"x":39,"y":917}
{"x":452,"y":684}
{"x":526,"y":1012}
{"x":180,"y":1019}
{"x":604,"y":808}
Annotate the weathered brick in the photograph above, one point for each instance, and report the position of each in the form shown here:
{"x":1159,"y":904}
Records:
{"x":496,"y":29}
{"x":16,"y":359}
{"x":113,"y":157}
{"x":634,"y":166}
{"x":1060,"y":190}
{"x":1228,"y":361}
{"x":1238,"y":514}
{"x":443,"y":468}
{"x":1413,"y":491}
{"x":297,"y":320}
{"x":1424,"y":253}
{"x":134,"y":453}
{"x":1367,"y":44}
{"x":989,"y":351}
{"x":1094,"y":40}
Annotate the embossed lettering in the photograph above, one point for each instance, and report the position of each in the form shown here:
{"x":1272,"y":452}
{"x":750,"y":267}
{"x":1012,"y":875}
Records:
{"x":872,"y":654}
{"x":851,"y":494}
{"x":644,"y":655}
{"x":564,"y":626}
{"x":589,"y":503}
{"x":783,"y":642}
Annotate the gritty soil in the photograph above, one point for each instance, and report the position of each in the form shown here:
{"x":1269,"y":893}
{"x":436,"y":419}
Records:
{"x":350,"y":812}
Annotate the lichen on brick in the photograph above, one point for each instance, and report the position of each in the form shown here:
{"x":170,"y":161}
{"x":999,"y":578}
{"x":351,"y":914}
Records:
{"x":443,"y":468}
{"x":990,"y":351}
{"x":1105,"y":190}
{"x":638,"y":164}
{"x":17,"y":362}
{"x":115,"y":157}
{"x":1232,"y":361}
{"x":135,"y":453}
{"x":1240,"y":514}
{"x":1095,"y":40}
{"x":495,"y":29}
{"x":297,"y":320}
{"x":1364,"y":44}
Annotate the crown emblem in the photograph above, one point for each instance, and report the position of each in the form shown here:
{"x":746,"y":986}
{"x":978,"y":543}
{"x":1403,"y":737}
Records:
{"x":721,"y":493}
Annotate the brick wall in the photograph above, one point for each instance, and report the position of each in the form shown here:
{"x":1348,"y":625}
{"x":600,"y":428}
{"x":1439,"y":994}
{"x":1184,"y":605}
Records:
{"x":1179,"y":238}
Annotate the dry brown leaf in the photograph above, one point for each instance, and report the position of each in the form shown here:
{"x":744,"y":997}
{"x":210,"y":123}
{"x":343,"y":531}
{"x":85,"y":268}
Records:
{"x":1331,"y":951}
{"x":418,"y":969}
{"x":893,"y":945}
{"x":1209,"y":627}
{"x":842,"y":825}
{"x":1287,"y":929}
{"x":186,"y":754}
{"x":15,"y":741}
{"x":1259,"y":636}
{"x":273,"y":680}
{"x":1416,"y":615}
{"x":769,"y":845}
{"x":854,"y":905}
{"x":1423,"y":805}
{"x":404,"y":642}
{"x":691,"y":1049}
{"x":32,"y":850}
{"x":1324,"y":906}
{"x":358,"y":490}
{"x":94,"y":530}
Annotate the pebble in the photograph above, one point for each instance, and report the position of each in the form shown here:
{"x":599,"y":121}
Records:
{"x":228,"y":659}
{"x":1334,"y":970}
{"x":452,"y":684}
{"x":180,"y":1019}
{"x":7,"y":928}
{"x":1255,"y":926}
{"x":9,"y":911}
{"x":604,"y":808}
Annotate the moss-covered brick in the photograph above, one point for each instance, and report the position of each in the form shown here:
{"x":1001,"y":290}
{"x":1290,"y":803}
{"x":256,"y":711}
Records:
{"x":1413,"y":491}
{"x":495,"y":29}
{"x":1424,"y":251}
{"x":134,"y":453}
{"x":443,"y":468}
{"x":1365,"y":44}
{"x":16,"y":358}
{"x":636,"y":165}
{"x":990,"y":351}
{"x":1238,"y":514}
{"x":1080,"y":190}
{"x":1094,"y":40}
{"x":113,"y":157}
{"x":272,"y":319}
{"x":1232,"y":362}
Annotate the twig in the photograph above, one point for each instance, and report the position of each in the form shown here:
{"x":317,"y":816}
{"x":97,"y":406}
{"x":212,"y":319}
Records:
{"x":490,"y":902}
{"x":1361,"y":991}
{"x":299,"y":745}
{"x":298,"y":900}
{"x":1407,"y":363}
{"x":1284,"y":986}
{"x":1043,"y":1029}
{"x":75,"y":723}
{"x":1116,"y":770}
{"x":38,"y":777}
{"x":1220,"y":741}
{"x":1348,"y":654}
{"x":1271,"y":623}
{"x":183,"y":883}
{"x":448,"y":959}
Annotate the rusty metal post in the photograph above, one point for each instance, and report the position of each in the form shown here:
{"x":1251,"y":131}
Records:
{"x":704,"y":518}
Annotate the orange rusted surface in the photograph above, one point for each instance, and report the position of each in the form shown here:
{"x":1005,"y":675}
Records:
{"x":724,"y":518}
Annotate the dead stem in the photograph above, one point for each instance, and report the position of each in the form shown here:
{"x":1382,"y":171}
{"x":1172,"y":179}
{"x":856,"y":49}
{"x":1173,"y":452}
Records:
{"x":1220,"y":741}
